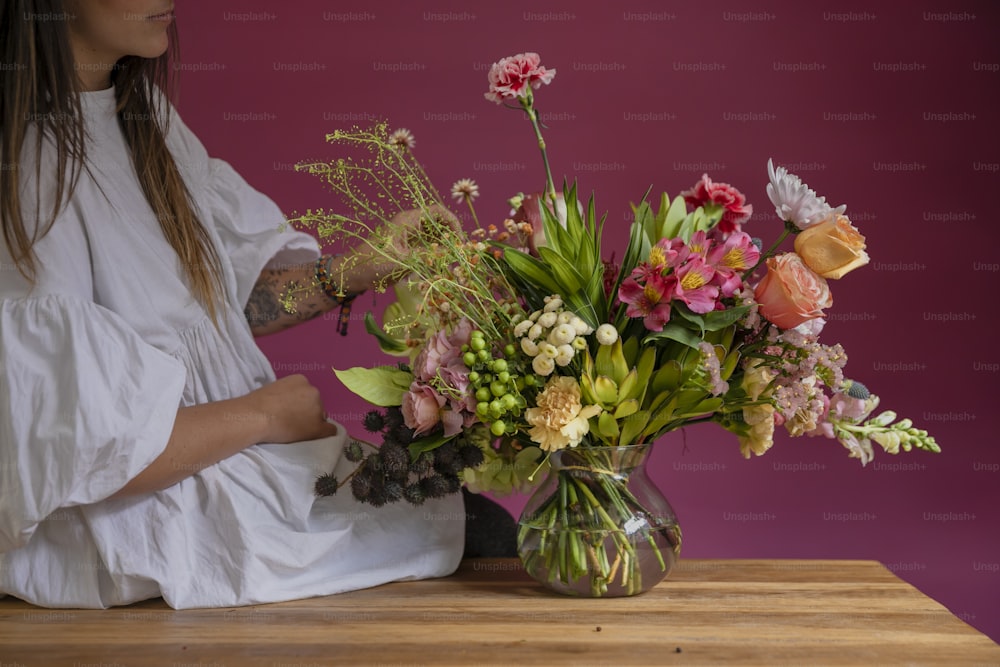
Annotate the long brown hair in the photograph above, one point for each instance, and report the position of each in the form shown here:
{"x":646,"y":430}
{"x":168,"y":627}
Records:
{"x":38,"y":84}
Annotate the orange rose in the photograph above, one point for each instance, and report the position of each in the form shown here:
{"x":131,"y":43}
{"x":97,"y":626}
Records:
{"x":832,"y":248}
{"x":791,"y":293}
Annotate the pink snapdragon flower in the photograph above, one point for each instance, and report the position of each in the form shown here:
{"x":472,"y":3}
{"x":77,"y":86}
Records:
{"x":515,"y":76}
{"x":735,"y":209}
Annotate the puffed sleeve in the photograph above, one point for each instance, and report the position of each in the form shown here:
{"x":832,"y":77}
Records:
{"x":250,"y":225}
{"x":85,"y":405}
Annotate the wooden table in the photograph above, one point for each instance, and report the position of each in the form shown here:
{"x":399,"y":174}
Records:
{"x":710,"y":612}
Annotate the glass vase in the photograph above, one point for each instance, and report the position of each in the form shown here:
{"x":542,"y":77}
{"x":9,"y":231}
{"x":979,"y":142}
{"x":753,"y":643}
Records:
{"x":598,"y":526}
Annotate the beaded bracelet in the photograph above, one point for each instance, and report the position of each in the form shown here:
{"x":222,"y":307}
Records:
{"x":345,"y":301}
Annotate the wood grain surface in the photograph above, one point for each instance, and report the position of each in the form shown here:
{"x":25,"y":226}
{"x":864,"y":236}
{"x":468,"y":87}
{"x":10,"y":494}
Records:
{"x":709,"y":612}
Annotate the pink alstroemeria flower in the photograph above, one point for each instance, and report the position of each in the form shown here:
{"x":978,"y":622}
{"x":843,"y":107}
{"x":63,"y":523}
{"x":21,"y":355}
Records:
{"x":650,"y":301}
{"x":694,"y":285}
{"x":731,"y":258}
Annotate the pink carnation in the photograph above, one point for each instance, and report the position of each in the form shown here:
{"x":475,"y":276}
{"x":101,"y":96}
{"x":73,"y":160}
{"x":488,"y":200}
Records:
{"x":513,"y":77}
{"x":732,"y":201}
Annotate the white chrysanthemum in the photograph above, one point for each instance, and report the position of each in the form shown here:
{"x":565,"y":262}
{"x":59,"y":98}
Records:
{"x":552,"y":303}
{"x":607,"y":334}
{"x":543,"y":365}
{"x":547,"y":320}
{"x":579,"y":343}
{"x":564,"y":355}
{"x":522,"y":327}
{"x":402,"y":138}
{"x":529,"y":347}
{"x":464,"y":189}
{"x":565,"y":317}
{"x":548,"y":350}
{"x":582,"y":328}
{"x":562,"y":334}
{"x":535,"y":331}
{"x":794,"y":201}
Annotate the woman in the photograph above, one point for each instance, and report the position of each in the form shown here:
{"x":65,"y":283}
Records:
{"x":145,"y":447}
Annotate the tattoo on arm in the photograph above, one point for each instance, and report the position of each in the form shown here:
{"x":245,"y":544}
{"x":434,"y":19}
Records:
{"x":265,"y":311}
{"x":263,"y":307}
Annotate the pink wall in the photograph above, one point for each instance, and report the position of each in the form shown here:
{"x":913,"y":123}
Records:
{"x":889,"y":107}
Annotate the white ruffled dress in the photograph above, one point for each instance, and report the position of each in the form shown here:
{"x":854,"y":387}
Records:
{"x":96,"y":359}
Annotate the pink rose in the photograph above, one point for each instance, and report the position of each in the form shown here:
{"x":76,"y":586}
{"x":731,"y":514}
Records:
{"x":732,"y":201}
{"x":514,"y":76}
{"x":441,"y":350}
{"x":791,"y":293}
{"x":422,"y":408}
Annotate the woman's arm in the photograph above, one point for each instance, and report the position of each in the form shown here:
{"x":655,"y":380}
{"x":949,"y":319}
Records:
{"x":265,"y":310}
{"x":287,"y":410}
{"x":354,"y":272}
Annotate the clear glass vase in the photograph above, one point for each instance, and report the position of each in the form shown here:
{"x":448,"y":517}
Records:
{"x":598,"y":526}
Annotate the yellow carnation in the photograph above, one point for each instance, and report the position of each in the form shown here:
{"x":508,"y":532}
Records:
{"x":559,"y":420}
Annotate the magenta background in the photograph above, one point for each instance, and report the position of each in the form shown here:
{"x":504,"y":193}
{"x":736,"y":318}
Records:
{"x":920,"y":188}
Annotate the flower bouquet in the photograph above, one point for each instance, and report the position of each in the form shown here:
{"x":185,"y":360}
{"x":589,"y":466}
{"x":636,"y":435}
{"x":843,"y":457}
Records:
{"x":523,"y":349}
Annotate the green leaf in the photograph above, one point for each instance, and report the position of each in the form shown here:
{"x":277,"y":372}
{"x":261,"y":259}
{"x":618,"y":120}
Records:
{"x":676,"y":217}
{"x":383,"y":386}
{"x":720,"y":319}
{"x":564,"y":272}
{"x":626,"y":408}
{"x":632,"y":426}
{"x":426,"y":444}
{"x":607,"y":425}
{"x":530,"y":270}
{"x":387,"y":343}
{"x":672,"y":331}
{"x":666,"y":378}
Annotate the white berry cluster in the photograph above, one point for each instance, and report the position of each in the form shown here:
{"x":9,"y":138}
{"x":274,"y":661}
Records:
{"x":552,"y":336}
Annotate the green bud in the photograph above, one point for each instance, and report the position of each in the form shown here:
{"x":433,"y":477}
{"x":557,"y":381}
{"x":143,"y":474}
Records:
{"x":504,"y":377}
{"x":477,"y":344}
{"x":469,"y":359}
{"x":474,"y":376}
{"x":499,"y":365}
{"x":510,"y":350}
{"x":483,"y":355}
{"x":498,"y":388}
{"x":498,"y":427}
{"x":508,"y":401}
{"x":483,"y":394}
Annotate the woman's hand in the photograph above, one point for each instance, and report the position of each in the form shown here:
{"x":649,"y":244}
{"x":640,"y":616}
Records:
{"x":405,"y":232}
{"x":290,"y":410}
{"x":287,"y":410}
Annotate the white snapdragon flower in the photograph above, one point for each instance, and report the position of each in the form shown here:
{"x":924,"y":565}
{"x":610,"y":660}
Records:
{"x":795,"y":201}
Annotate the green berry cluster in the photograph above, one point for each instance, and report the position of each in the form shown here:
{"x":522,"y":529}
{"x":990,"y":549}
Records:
{"x":497,"y":383}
